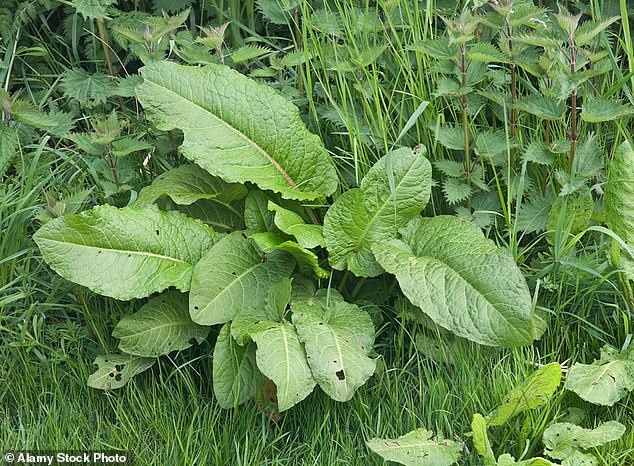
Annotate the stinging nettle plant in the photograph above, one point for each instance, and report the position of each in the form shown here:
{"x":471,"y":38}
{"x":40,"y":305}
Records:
{"x":226,"y":241}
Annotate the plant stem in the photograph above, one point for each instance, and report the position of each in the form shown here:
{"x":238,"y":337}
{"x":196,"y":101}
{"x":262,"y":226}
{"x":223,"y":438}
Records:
{"x":104,"y":44}
{"x":513,"y":78}
{"x":573,"y":105}
{"x":113,"y":166}
{"x":465,"y":115}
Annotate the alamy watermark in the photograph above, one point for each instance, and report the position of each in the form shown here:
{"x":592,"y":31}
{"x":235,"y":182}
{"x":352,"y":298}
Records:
{"x":67,"y":457}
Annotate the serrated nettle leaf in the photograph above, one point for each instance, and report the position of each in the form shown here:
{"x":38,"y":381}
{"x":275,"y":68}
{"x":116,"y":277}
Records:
{"x":337,"y":337}
{"x":188,"y":184}
{"x":450,"y":168}
{"x":394,"y":191}
{"x":589,"y":30}
{"x":235,"y":374}
{"x":533,"y":392}
{"x":161,"y":326}
{"x":533,"y":214}
{"x":563,"y":439}
{"x":116,"y":370}
{"x":125,"y":253}
{"x":238,"y":129}
{"x":462,"y":280}
{"x":417,"y":448}
{"x":451,"y":137}
{"x":308,"y":236}
{"x":547,"y":108}
{"x":306,"y":259}
{"x":88,"y":90}
{"x":598,"y":109}
{"x":493,"y":146}
{"x":571,"y":213}
{"x":456,"y":190}
{"x":234,"y":275}
{"x":588,"y":157}
{"x":249,"y":52}
{"x":486,"y":53}
{"x":537,"y":152}
{"x":437,"y":48}
{"x":281,"y":357}
{"x":606,"y":381}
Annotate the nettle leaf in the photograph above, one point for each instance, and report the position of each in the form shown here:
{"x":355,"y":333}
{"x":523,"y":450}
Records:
{"x":116,"y":370}
{"x":598,"y":109}
{"x":92,"y":9}
{"x":547,"y":108}
{"x":493,"y":146}
{"x":436,"y":48}
{"x":530,"y":394}
{"x":238,"y":129}
{"x":235,"y":375}
{"x":308,"y":236}
{"x":417,"y":448}
{"x":187,"y":184}
{"x":161,"y":326}
{"x":337,"y":337}
{"x":619,"y":197}
{"x":588,"y":158}
{"x":306,"y":259}
{"x":234,"y":275}
{"x":281,"y":358}
{"x":450,"y":168}
{"x":606,"y":381}
{"x":486,"y":53}
{"x":456,"y":190}
{"x":532,"y":216}
{"x":563,"y":439}
{"x":462,"y":280}
{"x":537,"y":152}
{"x":8,"y":147}
{"x":125,"y":253}
{"x":249,"y":52}
{"x":88,"y":90}
{"x":451,"y":137}
{"x":394,"y":191}
{"x":570,"y":213}
{"x":589,"y":30}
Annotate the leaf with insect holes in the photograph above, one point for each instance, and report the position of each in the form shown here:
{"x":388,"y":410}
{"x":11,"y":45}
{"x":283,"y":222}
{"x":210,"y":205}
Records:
{"x":605,"y":381}
{"x":337,"y":337}
{"x":234,"y":275}
{"x":462,"y":280}
{"x":395,"y":190}
{"x":235,"y":375}
{"x":116,"y":370}
{"x":238,"y":129}
{"x":533,"y":392}
{"x":417,"y":448}
{"x":125,"y":253}
{"x":599,"y":109}
{"x":563,"y":439}
{"x":187,"y":184}
{"x":161,"y":326}
{"x":281,"y":357}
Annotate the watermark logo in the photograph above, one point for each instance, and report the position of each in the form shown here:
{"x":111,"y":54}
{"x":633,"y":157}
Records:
{"x":65,"y":457}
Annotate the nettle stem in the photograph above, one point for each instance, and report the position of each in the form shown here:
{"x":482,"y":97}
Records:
{"x":112,"y":163}
{"x":513,"y":78}
{"x":465,"y":113}
{"x":573,"y":104}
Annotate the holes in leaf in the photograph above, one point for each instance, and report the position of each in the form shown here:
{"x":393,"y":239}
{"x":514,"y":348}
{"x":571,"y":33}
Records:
{"x":196,"y":308}
{"x":156,"y":231}
{"x":118,"y":367}
{"x":192,"y":341}
{"x":234,"y":274}
{"x":341,"y":375}
{"x":117,"y":377}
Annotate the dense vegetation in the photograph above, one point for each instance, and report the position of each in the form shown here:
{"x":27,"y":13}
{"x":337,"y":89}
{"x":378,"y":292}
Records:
{"x":318,"y":232}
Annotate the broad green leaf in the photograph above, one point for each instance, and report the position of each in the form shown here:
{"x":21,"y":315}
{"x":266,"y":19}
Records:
{"x":188,"y":184}
{"x":598,"y":109}
{"x":530,"y":394}
{"x":544,"y":107}
{"x":306,"y":259}
{"x":563,"y":439}
{"x":481,"y":439}
{"x":417,"y":448}
{"x":308,"y":236}
{"x":8,"y":147}
{"x":231,"y":276}
{"x":337,"y":338}
{"x":619,"y":193}
{"x":220,"y":215}
{"x":116,"y":370}
{"x":580,"y":459}
{"x":161,"y":326}
{"x":394,"y":191}
{"x":125,"y":253}
{"x":507,"y":460}
{"x":257,"y":216}
{"x":235,"y":374}
{"x":462,"y":280}
{"x":281,"y":357}
{"x":238,"y":129}
{"x":605,"y":381}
